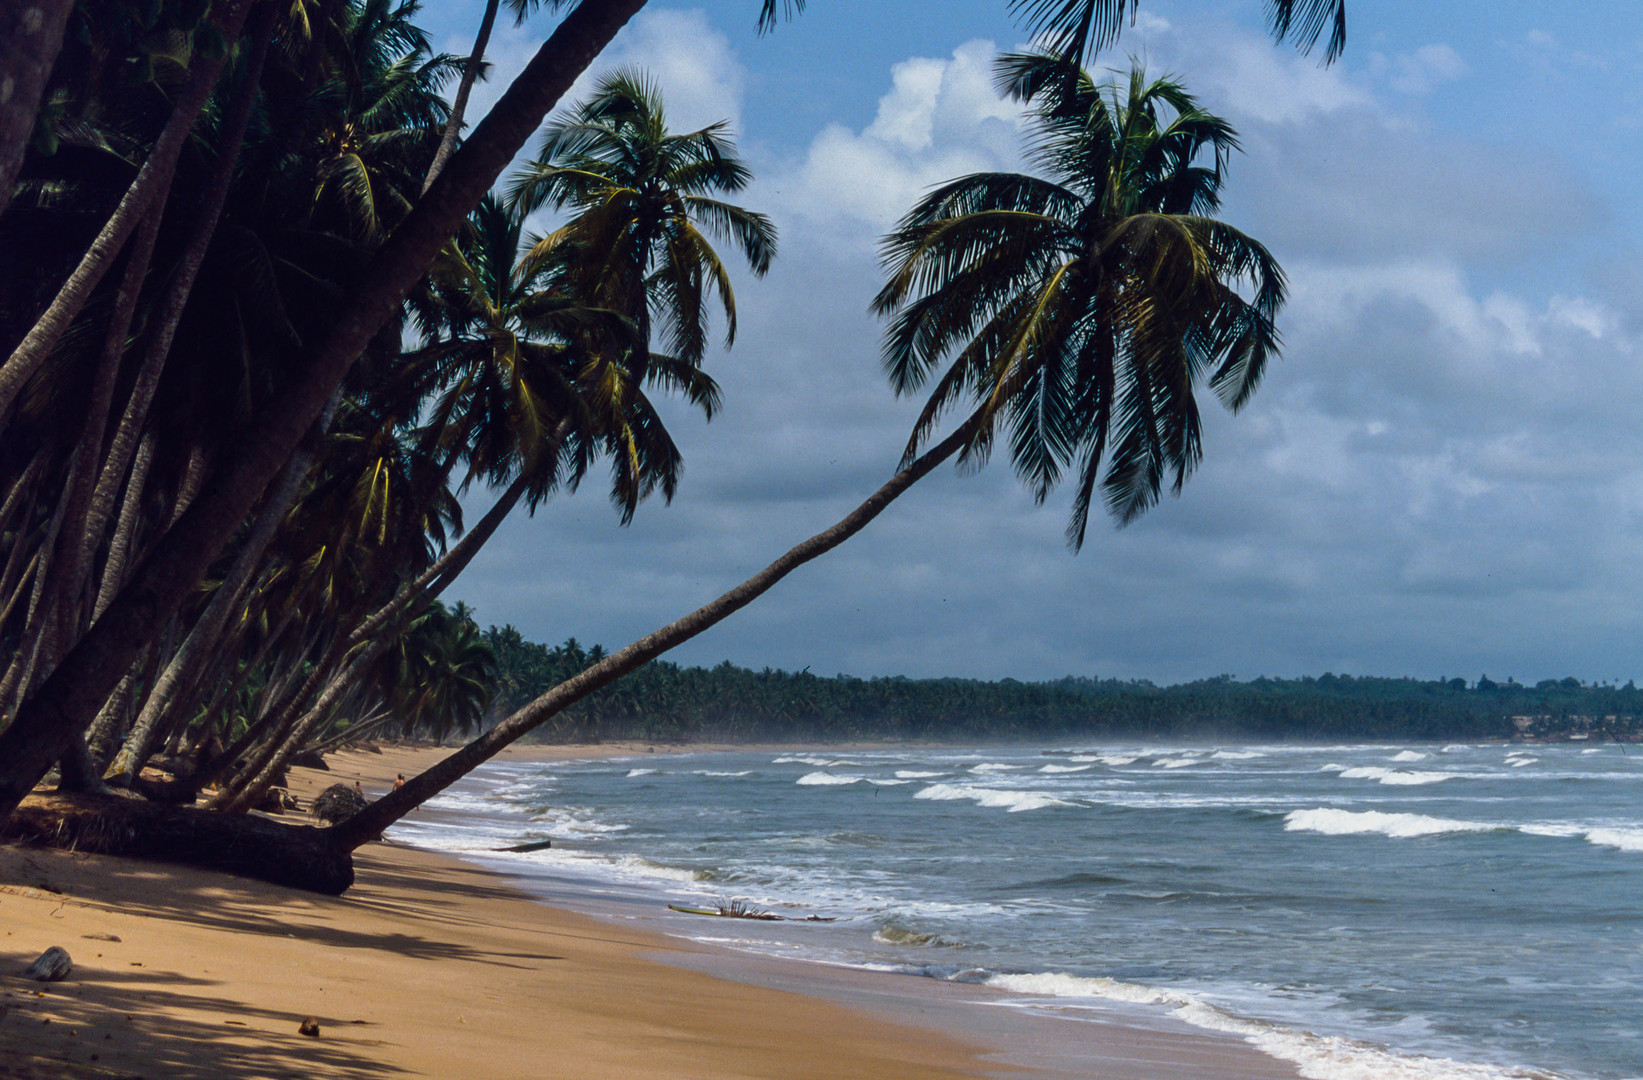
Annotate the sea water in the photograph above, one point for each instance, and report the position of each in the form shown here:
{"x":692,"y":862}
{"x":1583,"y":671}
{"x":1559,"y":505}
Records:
{"x":1396,"y":912}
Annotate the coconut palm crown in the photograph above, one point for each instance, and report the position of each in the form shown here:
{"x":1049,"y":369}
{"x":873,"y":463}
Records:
{"x":1078,"y":311}
{"x":642,"y":196}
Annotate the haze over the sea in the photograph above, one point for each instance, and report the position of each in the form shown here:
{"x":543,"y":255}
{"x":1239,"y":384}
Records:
{"x":1443,"y":476}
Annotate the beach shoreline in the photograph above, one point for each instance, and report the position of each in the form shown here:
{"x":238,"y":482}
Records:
{"x":434,"y":966}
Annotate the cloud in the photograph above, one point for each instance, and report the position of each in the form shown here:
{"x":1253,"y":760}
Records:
{"x":939,"y":119}
{"x":1441,"y":476}
{"x":1422,"y":70}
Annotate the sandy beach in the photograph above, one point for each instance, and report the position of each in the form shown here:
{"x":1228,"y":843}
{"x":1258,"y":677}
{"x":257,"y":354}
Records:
{"x":432,"y":967}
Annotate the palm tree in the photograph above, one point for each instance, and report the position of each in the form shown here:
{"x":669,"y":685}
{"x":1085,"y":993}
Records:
{"x":1080,"y":311}
{"x":61,"y":708}
{"x":641,"y":196}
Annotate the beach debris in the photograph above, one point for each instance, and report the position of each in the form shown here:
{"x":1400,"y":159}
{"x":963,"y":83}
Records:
{"x":101,"y":937}
{"x":534,"y":845}
{"x":338,"y":803}
{"x":309,"y":1027}
{"x":52,"y":966}
{"x":740,"y":908}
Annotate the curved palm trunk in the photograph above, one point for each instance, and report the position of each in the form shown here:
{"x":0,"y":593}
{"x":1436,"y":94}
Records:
{"x":369,"y":823}
{"x":378,"y":634}
{"x":37,"y":628}
{"x":186,"y":666}
{"x":62,"y":707}
{"x":76,"y":554}
{"x":152,"y":183}
{"x":470,"y":71}
{"x":111,"y":718}
{"x":125,"y":529}
{"x":170,"y":311}
{"x":31,"y":35}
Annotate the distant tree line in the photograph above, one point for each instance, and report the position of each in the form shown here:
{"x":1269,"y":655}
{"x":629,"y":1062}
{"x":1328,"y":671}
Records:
{"x":667,"y":701}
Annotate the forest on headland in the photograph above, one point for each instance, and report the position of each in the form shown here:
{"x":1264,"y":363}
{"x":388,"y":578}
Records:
{"x":665,"y":701}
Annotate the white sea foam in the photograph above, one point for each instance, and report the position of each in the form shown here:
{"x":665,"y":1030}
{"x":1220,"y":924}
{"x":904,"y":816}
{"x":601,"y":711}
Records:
{"x":1114,"y":760}
{"x":1409,"y":755}
{"x":992,"y":798}
{"x":826,"y":779}
{"x":1316,"y":1057}
{"x":1592,"y":750}
{"x":642,"y":772}
{"x":1520,"y":762}
{"x":1332,"y":767}
{"x":801,"y":759}
{"x":1236,"y":755}
{"x":714,"y":772}
{"x":1624,"y":839}
{"x":1064,"y":768}
{"x":1455,"y":748}
{"x":1332,"y":822}
{"x":1396,"y":777}
{"x":1176,"y":762}
{"x":888,"y":783}
{"x":993,"y":766}
{"x":915,"y":774}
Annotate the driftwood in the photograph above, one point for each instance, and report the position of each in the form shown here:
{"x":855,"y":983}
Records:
{"x":300,"y":856}
{"x":53,"y":966}
{"x":741,"y":909}
{"x":535,"y":845}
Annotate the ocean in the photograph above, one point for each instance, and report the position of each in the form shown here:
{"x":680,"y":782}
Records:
{"x":1396,"y":912}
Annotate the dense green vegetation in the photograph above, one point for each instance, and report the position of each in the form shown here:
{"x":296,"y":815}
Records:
{"x":664,"y":701}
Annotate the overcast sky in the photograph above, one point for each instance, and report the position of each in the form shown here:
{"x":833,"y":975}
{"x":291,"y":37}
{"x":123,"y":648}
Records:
{"x":1442,"y":476}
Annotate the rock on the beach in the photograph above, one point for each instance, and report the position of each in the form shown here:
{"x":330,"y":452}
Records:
{"x":309,"y":1027}
{"x":54,"y":965}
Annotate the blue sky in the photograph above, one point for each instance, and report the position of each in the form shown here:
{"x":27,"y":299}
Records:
{"x":1443,"y":476}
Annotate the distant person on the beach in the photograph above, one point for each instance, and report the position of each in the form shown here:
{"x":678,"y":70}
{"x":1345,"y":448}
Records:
{"x":399,"y":781}
{"x":359,"y":789}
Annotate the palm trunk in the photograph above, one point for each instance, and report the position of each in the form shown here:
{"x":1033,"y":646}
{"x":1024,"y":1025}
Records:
{"x":369,"y":823}
{"x":77,"y":542}
{"x":187,"y":665}
{"x":288,"y":715}
{"x":62,"y":707}
{"x":31,"y":35}
{"x":10,"y":582}
{"x":209,"y":769}
{"x":125,"y":530}
{"x":181,"y":285}
{"x":376,"y":636}
{"x":37,"y":628}
{"x":111,"y":718}
{"x":152,"y":183}
{"x":470,"y":71}
{"x":21,"y":487}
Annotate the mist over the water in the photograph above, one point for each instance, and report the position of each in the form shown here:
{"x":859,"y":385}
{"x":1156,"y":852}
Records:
{"x":1411,"y":912}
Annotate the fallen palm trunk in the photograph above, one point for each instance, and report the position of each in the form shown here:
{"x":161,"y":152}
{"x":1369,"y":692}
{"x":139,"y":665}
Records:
{"x":299,"y":856}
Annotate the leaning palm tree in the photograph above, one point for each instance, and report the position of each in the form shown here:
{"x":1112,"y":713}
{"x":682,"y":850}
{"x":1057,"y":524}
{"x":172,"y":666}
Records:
{"x":1078,"y":310}
{"x":1075,"y":313}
